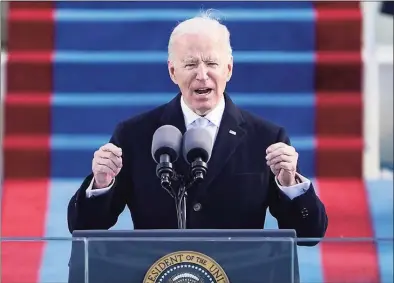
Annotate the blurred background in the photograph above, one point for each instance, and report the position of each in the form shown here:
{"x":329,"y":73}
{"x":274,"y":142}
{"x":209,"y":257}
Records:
{"x":71,"y":70}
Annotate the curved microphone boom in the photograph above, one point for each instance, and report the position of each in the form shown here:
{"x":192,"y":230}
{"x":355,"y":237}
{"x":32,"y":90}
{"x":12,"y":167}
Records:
{"x":197,"y":149}
{"x":166,"y":146}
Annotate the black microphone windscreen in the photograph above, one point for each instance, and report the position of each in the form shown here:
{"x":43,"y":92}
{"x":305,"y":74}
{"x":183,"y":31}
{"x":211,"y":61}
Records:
{"x":197,"y":143}
{"x":166,"y":140}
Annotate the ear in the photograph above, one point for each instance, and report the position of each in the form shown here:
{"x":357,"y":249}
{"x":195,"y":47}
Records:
{"x":229,"y":69}
{"x":171,"y":71}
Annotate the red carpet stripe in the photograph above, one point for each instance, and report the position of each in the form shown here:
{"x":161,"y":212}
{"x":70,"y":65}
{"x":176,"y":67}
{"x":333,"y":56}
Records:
{"x":23,"y":215}
{"x":344,"y":193}
{"x":339,"y":157}
{"x":26,"y":15}
{"x":334,"y":15}
{"x":344,"y":143}
{"x":26,"y":141}
{"x":338,"y":70}
{"x":26,"y":172}
{"x":347,"y":207}
{"x":339,"y":99}
{"x":340,"y":115}
{"x":32,"y":99}
{"x":30,"y":57}
{"x":337,"y":58}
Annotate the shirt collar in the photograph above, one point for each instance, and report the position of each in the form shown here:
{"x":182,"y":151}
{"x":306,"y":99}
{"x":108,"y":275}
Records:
{"x":215,"y":116}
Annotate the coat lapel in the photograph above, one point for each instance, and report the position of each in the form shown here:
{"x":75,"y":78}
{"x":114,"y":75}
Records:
{"x":230,"y":135}
{"x":172,"y":115}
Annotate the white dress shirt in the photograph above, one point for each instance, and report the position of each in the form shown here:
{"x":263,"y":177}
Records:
{"x":212,"y":122}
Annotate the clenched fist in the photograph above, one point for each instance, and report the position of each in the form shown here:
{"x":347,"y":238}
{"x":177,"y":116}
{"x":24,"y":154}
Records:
{"x":106,"y":165}
{"x":282,"y":159}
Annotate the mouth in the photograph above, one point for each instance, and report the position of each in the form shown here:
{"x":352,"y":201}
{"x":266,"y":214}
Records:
{"x":203,"y":91}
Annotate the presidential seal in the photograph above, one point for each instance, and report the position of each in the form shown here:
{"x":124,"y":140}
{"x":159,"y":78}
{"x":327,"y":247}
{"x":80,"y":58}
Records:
{"x":186,"y":267}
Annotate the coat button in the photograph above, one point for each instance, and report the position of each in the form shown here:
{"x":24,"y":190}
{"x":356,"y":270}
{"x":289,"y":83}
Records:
{"x":197,"y":207}
{"x":304,"y":213}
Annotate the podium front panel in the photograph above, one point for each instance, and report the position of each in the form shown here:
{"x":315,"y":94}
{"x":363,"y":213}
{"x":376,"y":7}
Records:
{"x":178,"y":260}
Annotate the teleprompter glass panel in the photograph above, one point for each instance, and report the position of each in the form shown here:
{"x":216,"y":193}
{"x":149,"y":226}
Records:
{"x":196,"y":259}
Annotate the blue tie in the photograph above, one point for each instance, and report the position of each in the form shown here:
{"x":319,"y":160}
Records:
{"x":201,"y":122}
{"x":205,"y":123}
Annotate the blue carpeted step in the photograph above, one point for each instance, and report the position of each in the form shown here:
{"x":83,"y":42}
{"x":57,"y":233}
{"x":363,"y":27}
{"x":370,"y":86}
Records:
{"x":100,"y":119}
{"x":105,"y":5}
{"x":70,"y":162}
{"x":283,"y":35}
{"x":270,"y":77}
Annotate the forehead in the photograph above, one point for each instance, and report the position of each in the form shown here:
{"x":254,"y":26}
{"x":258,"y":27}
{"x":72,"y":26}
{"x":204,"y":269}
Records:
{"x":199,"y":46}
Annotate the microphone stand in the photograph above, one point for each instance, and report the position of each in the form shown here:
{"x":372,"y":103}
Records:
{"x":181,"y":201}
{"x":166,"y":173}
{"x":179,"y":196}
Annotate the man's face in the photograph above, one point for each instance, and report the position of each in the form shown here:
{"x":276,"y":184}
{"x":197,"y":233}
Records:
{"x":201,"y":66}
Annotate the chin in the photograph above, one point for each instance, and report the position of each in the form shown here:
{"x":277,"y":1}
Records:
{"x":203,"y":104}
{"x":203,"y":108}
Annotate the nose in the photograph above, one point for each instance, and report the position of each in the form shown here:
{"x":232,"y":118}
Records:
{"x":202,"y":73}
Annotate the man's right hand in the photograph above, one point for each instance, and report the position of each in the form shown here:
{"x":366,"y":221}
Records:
{"x":106,"y":165}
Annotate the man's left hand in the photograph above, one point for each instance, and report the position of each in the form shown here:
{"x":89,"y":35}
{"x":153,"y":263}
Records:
{"x":282,"y":159}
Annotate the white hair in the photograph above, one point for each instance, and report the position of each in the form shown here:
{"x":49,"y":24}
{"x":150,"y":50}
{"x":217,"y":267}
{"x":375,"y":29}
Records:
{"x":202,"y":23}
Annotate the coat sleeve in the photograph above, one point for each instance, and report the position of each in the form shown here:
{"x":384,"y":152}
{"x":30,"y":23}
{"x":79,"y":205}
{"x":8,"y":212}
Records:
{"x":101,"y":212}
{"x":306,"y":214}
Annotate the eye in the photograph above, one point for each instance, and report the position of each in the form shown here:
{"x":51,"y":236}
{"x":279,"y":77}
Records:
{"x":190,"y":65}
{"x":212,"y":64}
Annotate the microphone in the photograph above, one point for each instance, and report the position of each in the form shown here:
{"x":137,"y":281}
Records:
{"x":166,"y":146}
{"x":197,"y":149}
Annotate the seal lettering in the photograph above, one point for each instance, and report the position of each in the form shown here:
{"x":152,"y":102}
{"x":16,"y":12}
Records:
{"x":177,"y":266}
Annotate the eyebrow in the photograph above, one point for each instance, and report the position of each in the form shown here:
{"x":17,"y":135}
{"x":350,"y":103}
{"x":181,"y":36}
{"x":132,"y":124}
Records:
{"x":193,"y":60}
{"x":210,"y":58}
{"x":189,"y":60}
